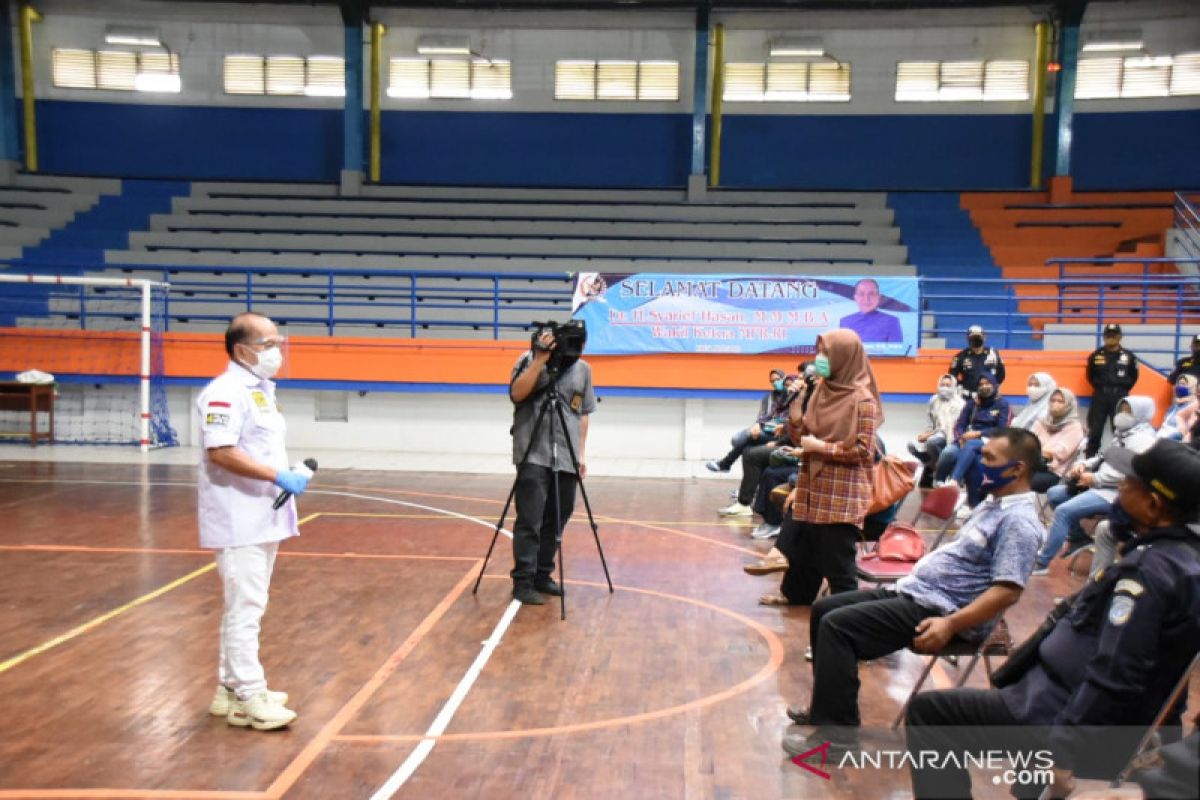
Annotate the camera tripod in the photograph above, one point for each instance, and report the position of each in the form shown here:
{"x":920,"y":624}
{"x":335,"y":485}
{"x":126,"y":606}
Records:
{"x":553,"y":400}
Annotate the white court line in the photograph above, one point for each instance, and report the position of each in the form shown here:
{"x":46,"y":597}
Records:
{"x":442,"y":720}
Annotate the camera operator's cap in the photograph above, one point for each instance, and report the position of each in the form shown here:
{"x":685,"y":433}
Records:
{"x":1112,"y":329}
{"x":975,"y":330}
{"x":1170,"y":468}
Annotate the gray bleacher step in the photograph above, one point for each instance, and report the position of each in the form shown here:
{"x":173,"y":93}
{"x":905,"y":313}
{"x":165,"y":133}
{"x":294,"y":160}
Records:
{"x":71,"y":183}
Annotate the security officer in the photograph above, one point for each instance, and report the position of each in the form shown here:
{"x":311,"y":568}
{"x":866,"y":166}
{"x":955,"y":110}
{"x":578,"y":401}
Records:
{"x":1112,"y":371}
{"x":1188,"y":365}
{"x":1101,"y":674}
{"x":975,"y":359}
{"x":243,"y":468}
{"x":538,"y":458}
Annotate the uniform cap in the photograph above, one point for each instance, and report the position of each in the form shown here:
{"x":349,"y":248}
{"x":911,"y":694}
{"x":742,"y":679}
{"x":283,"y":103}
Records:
{"x":1170,"y":468}
{"x":975,"y":330}
{"x":1111,"y":329}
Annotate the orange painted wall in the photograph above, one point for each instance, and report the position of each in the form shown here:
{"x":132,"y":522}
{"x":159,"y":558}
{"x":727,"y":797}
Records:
{"x":199,"y":355}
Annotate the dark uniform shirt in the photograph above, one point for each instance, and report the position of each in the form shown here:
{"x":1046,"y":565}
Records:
{"x":1188,"y":365}
{"x":982,"y":415}
{"x":1116,"y":655}
{"x":967,"y":365}
{"x":1113,"y":372}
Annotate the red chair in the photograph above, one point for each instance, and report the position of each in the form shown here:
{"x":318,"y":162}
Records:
{"x":938,"y":504}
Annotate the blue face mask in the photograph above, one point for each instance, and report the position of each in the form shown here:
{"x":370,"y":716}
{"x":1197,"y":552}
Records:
{"x":994,"y":477}
{"x":1119,"y":520}
{"x":778,"y":385}
{"x":821,"y":365}
{"x":1182,"y":391}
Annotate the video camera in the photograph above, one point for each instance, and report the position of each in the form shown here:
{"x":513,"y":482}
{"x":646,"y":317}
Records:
{"x":569,"y":340}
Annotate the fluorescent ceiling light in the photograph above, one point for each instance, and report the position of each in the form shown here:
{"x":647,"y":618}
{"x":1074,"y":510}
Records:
{"x":1112,"y":41}
{"x":156,"y":82}
{"x":444,"y":46}
{"x":801,"y":46}
{"x":135,"y":36}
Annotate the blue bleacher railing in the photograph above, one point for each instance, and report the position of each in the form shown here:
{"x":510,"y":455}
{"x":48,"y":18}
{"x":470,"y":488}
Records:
{"x":1187,"y":223}
{"x":502,"y":305}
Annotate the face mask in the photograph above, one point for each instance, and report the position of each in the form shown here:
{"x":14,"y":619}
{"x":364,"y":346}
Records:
{"x":269,"y":362}
{"x":821,"y":366}
{"x":1120,"y":520}
{"x":1036,"y":393}
{"x":945,"y":392}
{"x":778,"y":385}
{"x":1123,"y":422}
{"x":994,"y":477}
{"x":985,"y":392}
{"x":975,"y":341}
{"x":1182,"y":392}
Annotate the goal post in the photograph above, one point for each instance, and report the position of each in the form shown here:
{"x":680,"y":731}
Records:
{"x":101,"y":338}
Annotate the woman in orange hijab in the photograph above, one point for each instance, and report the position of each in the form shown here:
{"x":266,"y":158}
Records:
{"x":834,"y":487}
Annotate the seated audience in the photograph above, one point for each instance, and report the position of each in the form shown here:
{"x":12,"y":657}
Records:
{"x":1092,"y":485}
{"x":942,"y":412}
{"x":956,"y":590}
{"x":982,"y":412}
{"x":770,"y":410}
{"x":757,"y":457}
{"x":1061,"y":433}
{"x":1089,"y":688}
{"x":1181,"y":416}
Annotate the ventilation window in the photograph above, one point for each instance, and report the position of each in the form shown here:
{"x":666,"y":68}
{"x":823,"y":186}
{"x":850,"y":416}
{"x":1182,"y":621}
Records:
{"x":961,"y":81}
{"x":115,"y":70}
{"x":1138,"y":76}
{"x":616,"y":80}
{"x":450,"y":79}
{"x":787,"y":82}
{"x":312,"y":76}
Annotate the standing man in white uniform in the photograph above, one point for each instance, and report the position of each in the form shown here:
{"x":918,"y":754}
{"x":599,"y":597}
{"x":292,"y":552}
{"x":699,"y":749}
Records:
{"x":243,"y":468}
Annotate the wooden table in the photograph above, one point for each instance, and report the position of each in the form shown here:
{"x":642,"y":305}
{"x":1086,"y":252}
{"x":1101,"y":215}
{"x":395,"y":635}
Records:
{"x":34,"y":398}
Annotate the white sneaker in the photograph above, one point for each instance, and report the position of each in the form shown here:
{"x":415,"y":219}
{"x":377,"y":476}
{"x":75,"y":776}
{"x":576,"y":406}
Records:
{"x":223,"y":699}
{"x":736,"y":509}
{"x":260,"y":713}
{"x":765,"y":531}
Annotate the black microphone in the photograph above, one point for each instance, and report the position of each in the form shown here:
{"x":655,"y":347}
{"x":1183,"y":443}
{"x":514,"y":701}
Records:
{"x":308,"y":465}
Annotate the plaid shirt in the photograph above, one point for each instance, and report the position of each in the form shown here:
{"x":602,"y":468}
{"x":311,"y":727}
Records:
{"x":843,"y":485}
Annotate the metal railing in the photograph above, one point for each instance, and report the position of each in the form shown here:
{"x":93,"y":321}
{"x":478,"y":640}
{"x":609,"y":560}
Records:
{"x":1016,"y":313}
{"x":1187,"y":222}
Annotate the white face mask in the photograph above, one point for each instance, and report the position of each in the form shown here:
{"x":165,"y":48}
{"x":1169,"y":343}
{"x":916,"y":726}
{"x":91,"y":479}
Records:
{"x":269,"y":362}
{"x":945,"y":392}
{"x":1036,"y":393}
{"x":1123,"y":421}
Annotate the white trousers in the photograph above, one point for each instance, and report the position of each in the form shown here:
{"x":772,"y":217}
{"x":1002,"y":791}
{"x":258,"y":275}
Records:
{"x":246,"y":575}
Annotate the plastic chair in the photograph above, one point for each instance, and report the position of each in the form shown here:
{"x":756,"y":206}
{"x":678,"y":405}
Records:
{"x":998,"y":642}
{"x":938,"y":504}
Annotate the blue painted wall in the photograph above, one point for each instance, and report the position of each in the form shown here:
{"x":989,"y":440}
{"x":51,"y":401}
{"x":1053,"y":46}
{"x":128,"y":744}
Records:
{"x":1144,"y":150}
{"x":877,"y":152}
{"x":1113,"y":151}
{"x":196,"y":142}
{"x":536,"y":149}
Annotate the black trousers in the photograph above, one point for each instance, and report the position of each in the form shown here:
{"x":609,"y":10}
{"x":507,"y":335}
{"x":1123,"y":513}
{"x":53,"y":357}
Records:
{"x":1100,"y":414}
{"x":771,"y":477}
{"x":816,"y":553}
{"x":755,"y":459}
{"x":535,"y":532}
{"x":851,"y":627}
{"x":958,"y":720}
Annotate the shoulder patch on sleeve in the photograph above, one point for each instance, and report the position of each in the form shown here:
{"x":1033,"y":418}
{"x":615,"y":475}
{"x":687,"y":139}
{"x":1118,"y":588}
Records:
{"x":1128,"y":586}
{"x":1121,"y":610}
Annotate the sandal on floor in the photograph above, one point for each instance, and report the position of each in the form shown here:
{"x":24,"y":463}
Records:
{"x":766,"y":566}
{"x":774,"y":600}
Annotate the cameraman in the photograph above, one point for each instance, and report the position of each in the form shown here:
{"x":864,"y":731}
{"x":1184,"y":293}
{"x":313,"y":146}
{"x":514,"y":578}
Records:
{"x":536,"y":529}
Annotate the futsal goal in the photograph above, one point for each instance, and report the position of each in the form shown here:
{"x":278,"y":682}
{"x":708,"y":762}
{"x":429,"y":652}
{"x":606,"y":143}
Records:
{"x":101,"y":340}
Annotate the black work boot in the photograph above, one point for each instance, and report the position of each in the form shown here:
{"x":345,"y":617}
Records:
{"x":526,"y":594}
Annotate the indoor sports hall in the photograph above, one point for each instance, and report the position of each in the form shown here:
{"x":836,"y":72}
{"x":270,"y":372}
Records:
{"x":416,"y":201}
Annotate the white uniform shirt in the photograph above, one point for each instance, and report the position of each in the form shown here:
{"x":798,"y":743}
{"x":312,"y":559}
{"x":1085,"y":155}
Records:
{"x":238,"y":409}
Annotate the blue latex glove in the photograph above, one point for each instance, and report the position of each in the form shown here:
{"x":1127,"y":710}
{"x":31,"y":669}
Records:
{"x":290,"y":481}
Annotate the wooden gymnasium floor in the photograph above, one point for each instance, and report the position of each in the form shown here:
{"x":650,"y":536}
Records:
{"x":406,"y":683}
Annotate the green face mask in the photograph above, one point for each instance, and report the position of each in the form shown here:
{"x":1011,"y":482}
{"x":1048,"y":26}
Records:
{"x":821,"y":364}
